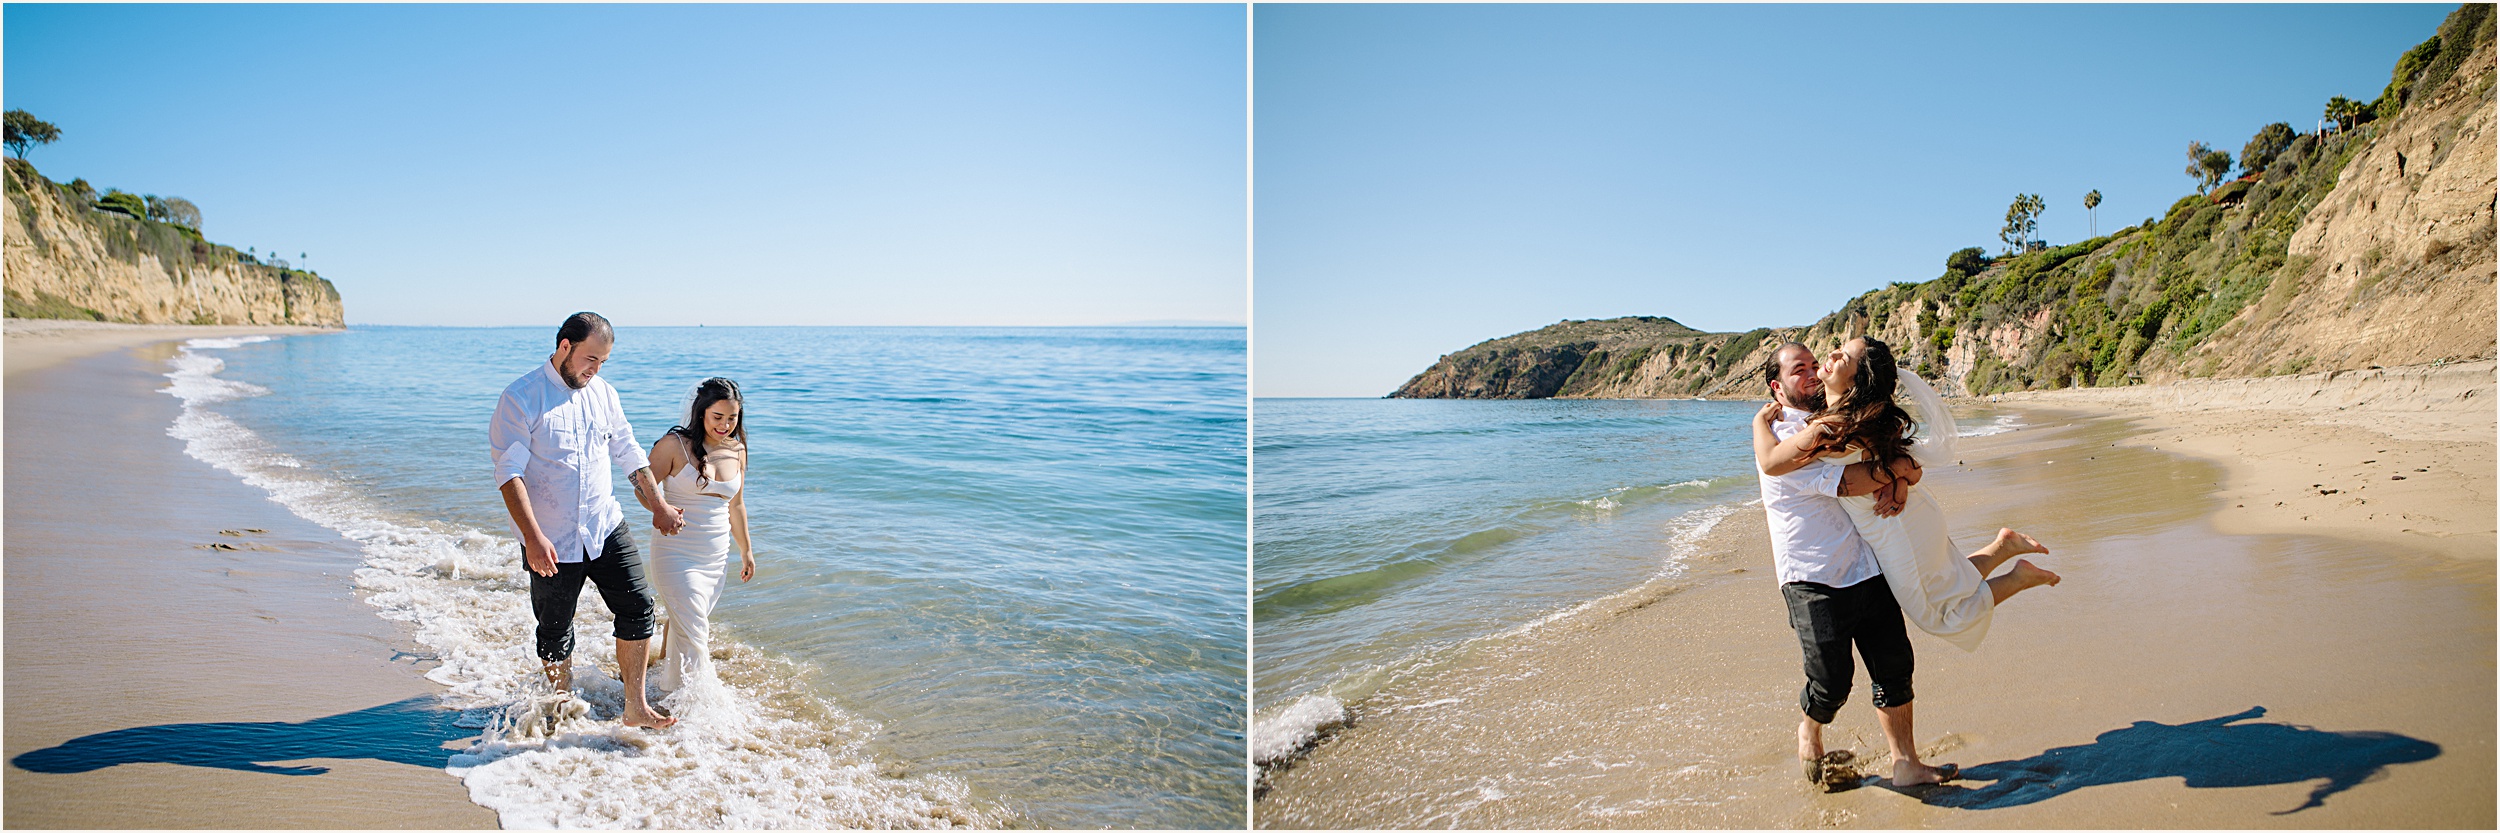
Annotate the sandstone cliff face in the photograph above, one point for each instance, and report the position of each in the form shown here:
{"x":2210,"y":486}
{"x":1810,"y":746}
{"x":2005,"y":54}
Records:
{"x":2401,"y":252}
{"x":64,"y":260}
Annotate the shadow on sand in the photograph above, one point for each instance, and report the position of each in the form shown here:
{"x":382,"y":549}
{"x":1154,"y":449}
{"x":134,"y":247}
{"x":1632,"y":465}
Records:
{"x":2208,"y":753}
{"x":410,"y":731}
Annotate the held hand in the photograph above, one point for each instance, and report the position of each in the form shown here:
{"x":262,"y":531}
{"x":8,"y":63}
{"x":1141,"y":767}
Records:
{"x":539,"y":554}
{"x":746,"y":567}
{"x":1770,"y":413}
{"x":669,"y":519}
{"x":1890,"y":498}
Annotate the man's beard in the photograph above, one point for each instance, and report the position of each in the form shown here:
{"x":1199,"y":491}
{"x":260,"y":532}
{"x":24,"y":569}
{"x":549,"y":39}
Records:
{"x":570,"y":380}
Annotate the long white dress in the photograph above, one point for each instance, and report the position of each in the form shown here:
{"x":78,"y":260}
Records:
{"x":689,"y":569}
{"x":1940,"y":591}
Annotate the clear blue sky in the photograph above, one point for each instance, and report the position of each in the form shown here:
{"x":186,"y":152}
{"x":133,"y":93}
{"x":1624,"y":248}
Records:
{"x":1429,"y":177}
{"x":778,"y":164}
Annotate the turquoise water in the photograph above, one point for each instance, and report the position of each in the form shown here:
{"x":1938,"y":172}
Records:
{"x":1011,"y":560}
{"x":1391,"y":529}
{"x":1392,"y":534}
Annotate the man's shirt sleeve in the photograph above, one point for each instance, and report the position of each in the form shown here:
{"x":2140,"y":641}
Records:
{"x":508,"y":437}
{"x":1821,"y":477}
{"x":622,"y":447}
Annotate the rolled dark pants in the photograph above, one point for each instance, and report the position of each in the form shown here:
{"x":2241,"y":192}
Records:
{"x":618,"y":574}
{"x":1829,"y":620}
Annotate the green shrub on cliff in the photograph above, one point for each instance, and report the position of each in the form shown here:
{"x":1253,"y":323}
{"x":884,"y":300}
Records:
{"x":123,"y":202}
{"x":2428,"y":64}
{"x":2265,"y":146}
{"x":1970,"y":261}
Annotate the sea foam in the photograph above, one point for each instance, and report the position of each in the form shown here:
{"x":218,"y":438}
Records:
{"x":1282,"y":734}
{"x":751,"y":749}
{"x":2002,"y":424}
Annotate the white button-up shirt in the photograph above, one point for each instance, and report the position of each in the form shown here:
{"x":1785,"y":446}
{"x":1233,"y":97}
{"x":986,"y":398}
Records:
{"x":1812,"y":538}
{"x":559,"y":441}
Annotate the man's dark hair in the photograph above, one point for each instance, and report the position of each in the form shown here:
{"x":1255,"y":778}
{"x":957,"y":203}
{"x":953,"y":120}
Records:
{"x":1771,"y":366}
{"x":581,"y":326}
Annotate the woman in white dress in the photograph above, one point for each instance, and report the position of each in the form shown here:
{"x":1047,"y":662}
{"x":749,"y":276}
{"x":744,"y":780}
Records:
{"x":702,"y":469}
{"x":1944,"y":593}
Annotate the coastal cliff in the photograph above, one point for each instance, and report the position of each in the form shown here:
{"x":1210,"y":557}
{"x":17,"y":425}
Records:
{"x":2367,"y":246}
{"x":66,"y":259}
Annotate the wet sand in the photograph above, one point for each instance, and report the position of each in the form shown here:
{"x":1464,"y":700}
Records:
{"x":2397,"y":456}
{"x":38,"y":343}
{"x":163,"y":673}
{"x":2185,"y":674}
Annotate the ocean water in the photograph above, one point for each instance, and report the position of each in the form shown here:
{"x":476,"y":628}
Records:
{"x":1393,"y":534}
{"x":1000,"y":570}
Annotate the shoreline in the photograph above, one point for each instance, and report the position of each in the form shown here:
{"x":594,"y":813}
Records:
{"x":37,"y":343}
{"x":159,"y":655}
{"x":1671,"y":704}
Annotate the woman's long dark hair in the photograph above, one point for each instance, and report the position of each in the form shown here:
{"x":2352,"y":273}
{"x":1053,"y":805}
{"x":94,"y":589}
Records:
{"x":715,"y":389}
{"x":1869,"y":418}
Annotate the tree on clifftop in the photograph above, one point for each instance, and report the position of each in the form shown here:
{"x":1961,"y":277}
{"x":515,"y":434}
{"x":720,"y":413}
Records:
{"x":2217,"y":167}
{"x":25,"y":132}
{"x":175,"y":210}
{"x":2344,"y":112}
{"x":2207,"y":165}
{"x":2265,"y":146}
{"x":2092,"y":201}
{"x":1970,"y":261}
{"x":2021,"y":219}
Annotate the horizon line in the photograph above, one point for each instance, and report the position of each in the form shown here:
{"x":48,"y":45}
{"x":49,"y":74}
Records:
{"x":1158,"y":325}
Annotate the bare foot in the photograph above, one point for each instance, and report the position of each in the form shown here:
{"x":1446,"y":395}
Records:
{"x":642,"y":718}
{"x":2024,"y":576}
{"x":1809,"y":740}
{"x":2030,"y":575}
{"x":2010,"y":542}
{"x":560,"y":676}
{"x":1914,"y":774}
{"x":2007,"y":545}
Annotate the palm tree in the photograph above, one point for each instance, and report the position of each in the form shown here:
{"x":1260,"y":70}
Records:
{"x":2343,"y":112}
{"x":2092,"y":201}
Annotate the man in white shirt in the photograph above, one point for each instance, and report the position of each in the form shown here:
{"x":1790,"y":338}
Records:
{"x":1836,"y":593}
{"x":555,"y":432}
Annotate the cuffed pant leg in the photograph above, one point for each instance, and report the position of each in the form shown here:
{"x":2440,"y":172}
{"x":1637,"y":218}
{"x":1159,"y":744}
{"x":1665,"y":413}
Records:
{"x":1814,"y":613}
{"x":551,"y":600}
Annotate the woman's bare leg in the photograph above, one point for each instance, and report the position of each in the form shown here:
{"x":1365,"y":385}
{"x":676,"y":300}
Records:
{"x":2025,"y":576}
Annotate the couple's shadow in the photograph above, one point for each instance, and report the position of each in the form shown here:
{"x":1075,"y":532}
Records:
{"x":2207,"y":753}
{"x":410,"y":731}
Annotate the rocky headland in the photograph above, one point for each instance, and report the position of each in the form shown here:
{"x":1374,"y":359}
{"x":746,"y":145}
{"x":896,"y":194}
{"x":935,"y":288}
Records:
{"x":2370,"y":244}
{"x":67,"y":259}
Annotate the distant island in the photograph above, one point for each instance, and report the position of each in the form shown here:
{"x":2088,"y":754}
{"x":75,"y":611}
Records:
{"x":71,"y":253}
{"x":2366,"y":243}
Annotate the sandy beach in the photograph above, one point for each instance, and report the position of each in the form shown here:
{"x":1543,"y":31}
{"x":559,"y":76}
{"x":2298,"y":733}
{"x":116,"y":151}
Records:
{"x":181,"y":651}
{"x":2211,"y":659}
{"x":2399,"y":456}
